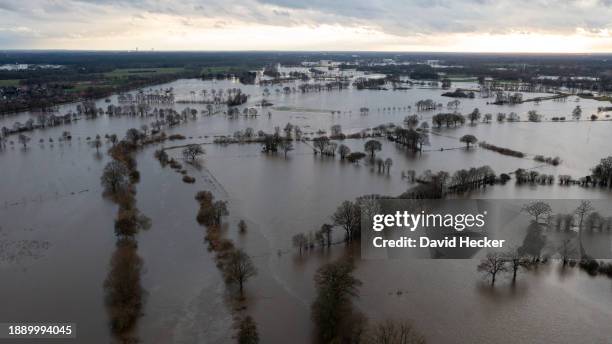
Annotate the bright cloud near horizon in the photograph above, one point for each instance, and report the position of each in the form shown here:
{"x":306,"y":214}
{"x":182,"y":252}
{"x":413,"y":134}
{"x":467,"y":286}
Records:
{"x":569,"y":26}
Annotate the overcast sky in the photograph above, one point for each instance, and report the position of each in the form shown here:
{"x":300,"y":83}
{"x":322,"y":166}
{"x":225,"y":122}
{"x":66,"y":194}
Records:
{"x":390,"y":25}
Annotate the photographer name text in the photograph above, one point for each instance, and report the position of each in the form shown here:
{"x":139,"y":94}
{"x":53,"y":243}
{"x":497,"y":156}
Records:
{"x":425,"y":242}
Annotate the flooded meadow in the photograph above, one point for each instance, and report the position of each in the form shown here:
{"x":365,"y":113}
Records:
{"x":56,"y":229}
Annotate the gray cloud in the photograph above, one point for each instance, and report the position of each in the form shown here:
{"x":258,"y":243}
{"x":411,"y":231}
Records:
{"x":444,"y":16}
{"x":403,"y":18}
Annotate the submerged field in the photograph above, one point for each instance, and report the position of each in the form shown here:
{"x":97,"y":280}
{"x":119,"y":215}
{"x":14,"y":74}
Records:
{"x":57,"y":230}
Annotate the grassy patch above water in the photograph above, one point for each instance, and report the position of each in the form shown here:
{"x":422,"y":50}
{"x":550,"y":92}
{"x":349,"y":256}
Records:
{"x":127,"y":72}
{"x":225,"y":69}
{"x":9,"y":82}
{"x":300,"y":109}
{"x":599,"y":98}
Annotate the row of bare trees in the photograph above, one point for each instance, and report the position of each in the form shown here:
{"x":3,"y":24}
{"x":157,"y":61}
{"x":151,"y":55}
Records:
{"x":123,"y":291}
{"x":235,"y":264}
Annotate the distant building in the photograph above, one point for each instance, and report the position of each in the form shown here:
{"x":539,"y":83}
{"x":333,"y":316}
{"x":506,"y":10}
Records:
{"x":14,"y":67}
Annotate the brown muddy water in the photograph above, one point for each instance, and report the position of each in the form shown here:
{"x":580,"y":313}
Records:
{"x":56,"y":231}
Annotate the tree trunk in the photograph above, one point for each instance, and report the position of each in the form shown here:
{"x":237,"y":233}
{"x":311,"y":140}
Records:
{"x":582,"y":252}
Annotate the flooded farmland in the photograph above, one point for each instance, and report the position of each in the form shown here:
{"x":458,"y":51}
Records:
{"x":56,"y":229}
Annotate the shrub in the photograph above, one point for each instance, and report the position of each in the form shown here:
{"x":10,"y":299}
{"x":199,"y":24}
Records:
{"x":175,"y":165}
{"x":126,"y":223}
{"x":206,"y":215}
{"x":213,"y":235}
{"x":204,"y":197}
{"x":247,"y":331}
{"x":134,"y":176}
{"x":591,"y":266}
{"x":176,"y":137}
{"x":242,"y":226}
{"x":504,"y":177}
{"x":501,"y":150}
{"x":549,"y":160}
{"x":162,"y":156}
{"x":355,"y":156}
{"x":606,"y":268}
{"x":188,"y":179}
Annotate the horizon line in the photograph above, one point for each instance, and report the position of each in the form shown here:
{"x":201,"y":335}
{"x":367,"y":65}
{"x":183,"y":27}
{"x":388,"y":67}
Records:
{"x":305,"y":51}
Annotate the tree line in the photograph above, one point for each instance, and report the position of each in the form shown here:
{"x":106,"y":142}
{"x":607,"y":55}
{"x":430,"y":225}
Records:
{"x":123,"y":291}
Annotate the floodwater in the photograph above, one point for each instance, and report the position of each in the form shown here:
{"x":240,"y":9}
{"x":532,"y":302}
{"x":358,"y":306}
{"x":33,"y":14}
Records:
{"x":56,"y":230}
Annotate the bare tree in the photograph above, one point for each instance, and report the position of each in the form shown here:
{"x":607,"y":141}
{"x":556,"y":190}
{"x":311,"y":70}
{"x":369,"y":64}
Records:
{"x":372,"y":146}
{"x":474,"y":115}
{"x":390,"y":332}
{"x":336,"y":130}
{"x":286,"y":146}
{"x":567,"y":250}
{"x":132,"y":135}
{"x":380,"y":164}
{"x":97,"y":143}
{"x":321,"y":144}
{"x":113,"y":138}
{"x":192,"y":151}
{"x":239,"y":268}
{"x":492,"y":264}
{"x":583,"y":209}
{"x":300,"y":241}
{"x":516,"y":260}
{"x":537,"y":209}
{"x":247,"y":331}
{"x":320,"y":238}
{"x":114,"y":177}
{"x":327,"y":230}
{"x":577,"y":112}
{"x":335,"y":287}
{"x":388,"y":164}
{"x":348,"y":216}
{"x":343,"y":150}
{"x":468,"y":140}
{"x":219,"y":210}
{"x":23,"y":139}
{"x":534,"y":116}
